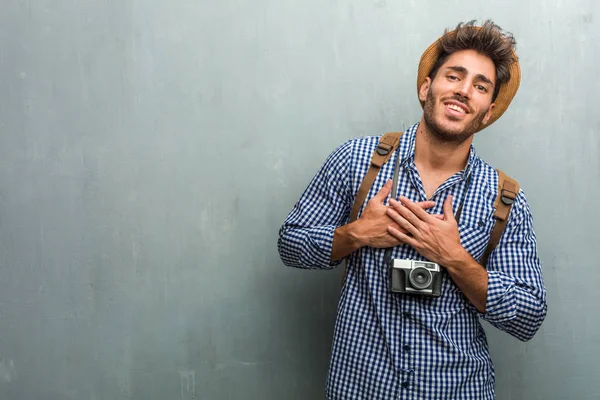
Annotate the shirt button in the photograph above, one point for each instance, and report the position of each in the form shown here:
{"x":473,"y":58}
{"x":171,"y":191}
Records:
{"x":405,"y":384}
{"x":407,"y":349}
{"x":406,"y":314}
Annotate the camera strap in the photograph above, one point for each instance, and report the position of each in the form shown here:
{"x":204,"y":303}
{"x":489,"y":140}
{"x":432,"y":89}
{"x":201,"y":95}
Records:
{"x":388,"y":251}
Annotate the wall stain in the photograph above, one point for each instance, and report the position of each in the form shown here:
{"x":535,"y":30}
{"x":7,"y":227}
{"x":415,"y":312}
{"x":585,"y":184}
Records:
{"x":187,"y":380}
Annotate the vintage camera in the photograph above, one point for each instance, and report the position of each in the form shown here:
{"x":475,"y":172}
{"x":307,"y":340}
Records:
{"x":415,"y":277}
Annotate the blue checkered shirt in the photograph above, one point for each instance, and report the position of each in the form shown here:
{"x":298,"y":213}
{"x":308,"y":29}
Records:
{"x":396,"y":346}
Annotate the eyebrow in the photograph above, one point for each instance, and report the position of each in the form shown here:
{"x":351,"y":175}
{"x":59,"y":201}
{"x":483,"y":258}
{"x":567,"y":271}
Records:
{"x":463,"y":70}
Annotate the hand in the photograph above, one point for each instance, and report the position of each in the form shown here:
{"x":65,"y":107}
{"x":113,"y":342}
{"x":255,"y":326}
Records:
{"x":372,"y":226}
{"x":435,"y":239}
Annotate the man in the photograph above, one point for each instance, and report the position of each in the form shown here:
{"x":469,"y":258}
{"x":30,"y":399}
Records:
{"x":404,"y":346}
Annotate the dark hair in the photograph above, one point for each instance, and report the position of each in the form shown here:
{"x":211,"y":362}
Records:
{"x":489,"y":40}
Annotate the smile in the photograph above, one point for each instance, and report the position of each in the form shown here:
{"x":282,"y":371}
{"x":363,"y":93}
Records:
{"x":456,"y":108}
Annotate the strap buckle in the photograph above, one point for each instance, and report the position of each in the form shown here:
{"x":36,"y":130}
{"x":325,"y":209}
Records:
{"x":383,"y":149}
{"x":508,"y":196}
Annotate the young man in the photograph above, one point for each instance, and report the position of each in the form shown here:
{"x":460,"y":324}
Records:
{"x":403,"y":345}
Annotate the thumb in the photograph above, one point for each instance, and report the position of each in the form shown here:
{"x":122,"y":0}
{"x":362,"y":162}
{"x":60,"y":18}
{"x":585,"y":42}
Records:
{"x":384,"y":191}
{"x":448,"y":213}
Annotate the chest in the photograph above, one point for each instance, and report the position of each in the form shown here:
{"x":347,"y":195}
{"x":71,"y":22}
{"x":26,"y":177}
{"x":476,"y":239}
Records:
{"x":473,"y":198}
{"x":432,"y":181}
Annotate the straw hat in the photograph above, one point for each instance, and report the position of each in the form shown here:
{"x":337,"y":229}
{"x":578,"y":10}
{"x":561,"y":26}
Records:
{"x":505,"y":95}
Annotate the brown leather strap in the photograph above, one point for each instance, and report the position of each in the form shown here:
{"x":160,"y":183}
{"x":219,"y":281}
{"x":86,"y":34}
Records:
{"x":385,"y":149}
{"x":508,"y":189}
{"x":388,"y":144}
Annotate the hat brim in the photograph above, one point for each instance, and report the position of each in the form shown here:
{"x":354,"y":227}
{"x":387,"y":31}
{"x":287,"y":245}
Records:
{"x":507,"y":91}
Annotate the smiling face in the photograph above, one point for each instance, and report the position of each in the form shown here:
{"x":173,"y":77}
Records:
{"x":458,"y":101}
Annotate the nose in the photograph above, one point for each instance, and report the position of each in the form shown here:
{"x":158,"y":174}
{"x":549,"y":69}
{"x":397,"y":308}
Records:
{"x":464,"y":89}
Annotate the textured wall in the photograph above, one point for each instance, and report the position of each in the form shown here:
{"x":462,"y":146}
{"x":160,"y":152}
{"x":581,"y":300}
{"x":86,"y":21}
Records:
{"x":149,"y":152}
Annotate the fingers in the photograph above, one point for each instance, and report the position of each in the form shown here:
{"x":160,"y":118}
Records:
{"x":407,"y":214}
{"x":426,"y":204}
{"x":384,"y":192}
{"x":416,"y":210}
{"x":448,"y":213}
{"x":397,"y":209}
{"x":402,"y":237}
{"x":402,"y":221}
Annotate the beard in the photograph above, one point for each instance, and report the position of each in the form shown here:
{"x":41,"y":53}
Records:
{"x":447,"y":134}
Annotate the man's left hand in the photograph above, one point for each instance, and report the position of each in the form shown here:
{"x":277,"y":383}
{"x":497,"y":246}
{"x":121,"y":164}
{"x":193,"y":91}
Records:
{"x":435,"y":239}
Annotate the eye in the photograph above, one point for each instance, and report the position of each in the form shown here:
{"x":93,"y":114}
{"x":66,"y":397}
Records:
{"x":481,"y":88}
{"x":452,"y":77}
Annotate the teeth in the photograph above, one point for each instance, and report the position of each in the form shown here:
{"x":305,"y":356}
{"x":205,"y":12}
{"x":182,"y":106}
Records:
{"x":455,"y":108}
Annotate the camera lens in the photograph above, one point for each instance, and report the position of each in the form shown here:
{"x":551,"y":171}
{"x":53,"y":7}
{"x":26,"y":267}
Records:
{"x":420,"y":278}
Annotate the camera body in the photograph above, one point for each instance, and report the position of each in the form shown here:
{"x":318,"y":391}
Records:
{"x":416,"y":277}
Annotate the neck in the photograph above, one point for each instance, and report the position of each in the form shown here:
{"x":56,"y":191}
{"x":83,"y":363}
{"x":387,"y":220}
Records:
{"x":433,"y":154}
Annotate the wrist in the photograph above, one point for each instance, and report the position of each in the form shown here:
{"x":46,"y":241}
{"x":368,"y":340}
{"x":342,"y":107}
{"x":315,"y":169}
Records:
{"x":458,"y":260}
{"x":346,"y":240}
{"x":354,"y":234}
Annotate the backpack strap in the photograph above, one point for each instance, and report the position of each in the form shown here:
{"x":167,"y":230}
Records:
{"x":386,"y":147}
{"x":384,"y":151}
{"x":508,"y":190}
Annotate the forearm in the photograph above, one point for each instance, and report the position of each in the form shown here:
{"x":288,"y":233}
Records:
{"x":516,"y":301}
{"x":346,"y":240}
{"x":508,"y":303}
{"x":470,"y":277}
{"x":306,"y":247}
{"x":305,"y":239}
{"x":514,"y":306}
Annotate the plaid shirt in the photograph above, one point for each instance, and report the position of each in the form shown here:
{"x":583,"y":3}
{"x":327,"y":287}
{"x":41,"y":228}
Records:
{"x":396,"y":346}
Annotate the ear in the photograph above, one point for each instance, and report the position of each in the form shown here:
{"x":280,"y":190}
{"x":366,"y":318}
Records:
{"x":488,"y":114}
{"x":424,"y":89}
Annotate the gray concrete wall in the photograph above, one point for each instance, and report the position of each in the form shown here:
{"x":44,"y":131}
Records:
{"x":149,"y":152}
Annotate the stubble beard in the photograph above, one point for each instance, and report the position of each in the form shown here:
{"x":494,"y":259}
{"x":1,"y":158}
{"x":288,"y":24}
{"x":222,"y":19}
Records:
{"x":443,"y":134}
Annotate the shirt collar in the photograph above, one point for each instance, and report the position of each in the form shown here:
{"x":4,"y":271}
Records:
{"x":407,"y":151}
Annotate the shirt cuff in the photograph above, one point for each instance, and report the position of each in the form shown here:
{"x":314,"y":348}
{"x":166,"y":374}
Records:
{"x":500,"y":304}
{"x":317,"y":249}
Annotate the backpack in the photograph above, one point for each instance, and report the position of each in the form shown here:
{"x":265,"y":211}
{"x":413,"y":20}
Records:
{"x":508,"y":189}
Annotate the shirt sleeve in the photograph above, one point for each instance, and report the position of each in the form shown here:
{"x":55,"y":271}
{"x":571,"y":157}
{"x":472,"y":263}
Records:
{"x":306,"y":237}
{"x":516,"y":297}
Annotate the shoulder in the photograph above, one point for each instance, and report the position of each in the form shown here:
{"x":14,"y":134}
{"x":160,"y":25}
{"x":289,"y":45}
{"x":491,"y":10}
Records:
{"x":356,"y":148}
{"x":489,"y":179}
{"x":364,"y":143}
{"x":350,"y":154}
